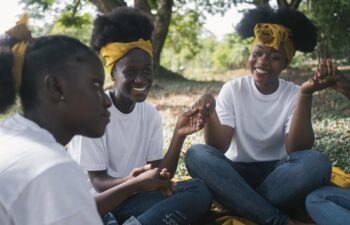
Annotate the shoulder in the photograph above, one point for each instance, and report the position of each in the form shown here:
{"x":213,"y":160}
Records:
{"x":289,"y":87}
{"x":149,"y":109}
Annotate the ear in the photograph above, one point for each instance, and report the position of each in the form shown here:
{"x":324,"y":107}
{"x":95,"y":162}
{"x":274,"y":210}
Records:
{"x":53,"y":86}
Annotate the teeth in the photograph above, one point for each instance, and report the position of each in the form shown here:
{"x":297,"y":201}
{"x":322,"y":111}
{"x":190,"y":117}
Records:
{"x":140,"y":89}
{"x":260,"y":70}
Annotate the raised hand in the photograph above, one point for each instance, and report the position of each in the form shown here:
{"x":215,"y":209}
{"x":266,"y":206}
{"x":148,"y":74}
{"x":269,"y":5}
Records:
{"x":137,"y":171}
{"x":324,"y":77}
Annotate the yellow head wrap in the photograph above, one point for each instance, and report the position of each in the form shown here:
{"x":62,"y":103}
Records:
{"x":275,"y":36}
{"x":21,"y":32}
{"x":112,"y":52}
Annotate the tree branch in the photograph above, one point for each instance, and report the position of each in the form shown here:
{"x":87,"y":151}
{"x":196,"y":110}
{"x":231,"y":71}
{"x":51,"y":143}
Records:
{"x":105,"y":6}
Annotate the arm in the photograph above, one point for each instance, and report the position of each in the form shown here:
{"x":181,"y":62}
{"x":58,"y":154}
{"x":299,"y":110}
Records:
{"x":102,"y":181}
{"x":150,"y":180}
{"x":301,"y":135}
{"x":188,"y":123}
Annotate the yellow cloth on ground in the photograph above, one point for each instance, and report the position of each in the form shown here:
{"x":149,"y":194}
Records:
{"x":232,"y":220}
{"x":339,"y":178}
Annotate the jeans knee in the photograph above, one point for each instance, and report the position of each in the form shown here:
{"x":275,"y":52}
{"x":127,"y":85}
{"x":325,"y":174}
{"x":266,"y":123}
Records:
{"x":204,"y":197}
{"x":316,"y":165}
{"x":196,"y":155}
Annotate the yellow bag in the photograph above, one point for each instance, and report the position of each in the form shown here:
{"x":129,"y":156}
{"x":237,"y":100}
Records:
{"x":339,"y":178}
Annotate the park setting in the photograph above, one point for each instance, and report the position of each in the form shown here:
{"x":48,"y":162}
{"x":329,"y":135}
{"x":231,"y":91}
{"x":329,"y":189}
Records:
{"x":197,"y":49}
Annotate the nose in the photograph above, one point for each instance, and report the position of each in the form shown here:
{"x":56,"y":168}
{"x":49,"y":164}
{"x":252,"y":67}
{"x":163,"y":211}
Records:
{"x":139,"y":79}
{"x":106,"y":101}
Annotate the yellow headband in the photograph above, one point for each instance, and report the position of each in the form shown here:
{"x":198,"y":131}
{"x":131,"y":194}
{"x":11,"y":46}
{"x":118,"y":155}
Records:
{"x":275,"y":36}
{"x":21,"y":32}
{"x":112,"y":52}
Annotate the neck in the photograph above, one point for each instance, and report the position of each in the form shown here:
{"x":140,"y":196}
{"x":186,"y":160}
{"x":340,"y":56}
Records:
{"x":53,"y":125}
{"x":123,"y":104}
{"x":267,"y":88}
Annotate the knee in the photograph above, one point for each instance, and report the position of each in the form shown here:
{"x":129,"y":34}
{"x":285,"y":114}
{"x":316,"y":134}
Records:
{"x":314,"y":198}
{"x":316,"y":164}
{"x":196,"y":154}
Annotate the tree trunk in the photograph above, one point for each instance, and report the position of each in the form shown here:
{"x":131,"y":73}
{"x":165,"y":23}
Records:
{"x":161,"y":28}
{"x":294,"y":4}
{"x":105,"y":6}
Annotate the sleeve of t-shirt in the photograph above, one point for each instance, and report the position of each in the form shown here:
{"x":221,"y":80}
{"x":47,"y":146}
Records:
{"x":155,"y":149}
{"x":90,"y":153}
{"x":225,"y":106}
{"x":292,"y":106}
{"x":58,"y":196}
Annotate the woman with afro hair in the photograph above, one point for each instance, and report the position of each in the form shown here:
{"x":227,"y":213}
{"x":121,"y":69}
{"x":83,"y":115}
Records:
{"x":257,"y":159}
{"x":133,"y":142}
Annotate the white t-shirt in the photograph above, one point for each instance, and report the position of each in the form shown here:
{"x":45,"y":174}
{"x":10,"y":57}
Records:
{"x":130,"y":141}
{"x":261,"y":122}
{"x":40,"y":183}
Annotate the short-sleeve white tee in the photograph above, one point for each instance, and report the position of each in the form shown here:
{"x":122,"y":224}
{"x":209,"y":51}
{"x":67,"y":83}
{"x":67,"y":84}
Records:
{"x":261,"y":122}
{"x":131,"y":140}
{"x":40,"y":183}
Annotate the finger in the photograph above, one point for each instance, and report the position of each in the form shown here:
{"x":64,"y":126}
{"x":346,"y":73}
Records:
{"x":329,"y":67}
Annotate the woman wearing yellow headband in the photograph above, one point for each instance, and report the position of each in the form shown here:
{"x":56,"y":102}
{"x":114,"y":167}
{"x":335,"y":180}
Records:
{"x":257,"y":159}
{"x":59,"y":82}
{"x":134,"y":136}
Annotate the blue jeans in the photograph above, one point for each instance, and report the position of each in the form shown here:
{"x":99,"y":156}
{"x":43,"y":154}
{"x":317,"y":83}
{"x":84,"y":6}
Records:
{"x":259,"y":191}
{"x":189,"y":202}
{"x":329,"y":206}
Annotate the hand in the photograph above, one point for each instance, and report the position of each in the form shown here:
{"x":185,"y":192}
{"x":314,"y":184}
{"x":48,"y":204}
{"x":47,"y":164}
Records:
{"x":324,"y":77}
{"x":342,"y":84}
{"x":137,"y":171}
{"x":191,"y":121}
{"x":205,"y":101}
{"x":155,"y":180}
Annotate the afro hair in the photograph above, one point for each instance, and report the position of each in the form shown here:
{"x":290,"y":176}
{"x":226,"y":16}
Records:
{"x":304,"y":32}
{"x":123,"y":24}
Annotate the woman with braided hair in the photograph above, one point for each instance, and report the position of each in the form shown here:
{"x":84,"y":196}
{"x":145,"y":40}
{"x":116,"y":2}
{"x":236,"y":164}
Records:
{"x":257,"y":159}
{"x":59,"y":81}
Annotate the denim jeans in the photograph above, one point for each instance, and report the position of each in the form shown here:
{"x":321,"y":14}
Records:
{"x":329,"y":206}
{"x":259,"y":191}
{"x":189,"y":202}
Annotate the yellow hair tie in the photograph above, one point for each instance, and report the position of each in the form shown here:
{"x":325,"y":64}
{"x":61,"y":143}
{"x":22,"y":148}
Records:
{"x":20,"y":32}
{"x":275,"y":36}
{"x":19,"y":52}
{"x":112,"y":52}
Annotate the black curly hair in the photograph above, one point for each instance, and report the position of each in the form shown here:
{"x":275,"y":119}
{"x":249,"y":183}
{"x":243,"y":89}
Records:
{"x":304,"y":32}
{"x":48,"y":54}
{"x":123,"y":24}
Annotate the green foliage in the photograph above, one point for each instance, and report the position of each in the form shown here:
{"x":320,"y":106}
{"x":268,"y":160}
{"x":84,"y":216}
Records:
{"x":67,"y":19}
{"x":332,"y":19}
{"x":232,"y":52}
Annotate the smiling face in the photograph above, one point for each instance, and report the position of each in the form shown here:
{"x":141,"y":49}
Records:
{"x":266,"y":64}
{"x":133,"y":76}
{"x":86,"y":102}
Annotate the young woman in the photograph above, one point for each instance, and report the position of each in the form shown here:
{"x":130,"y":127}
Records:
{"x":256,"y":160}
{"x":60,"y":84}
{"x":134,"y":136}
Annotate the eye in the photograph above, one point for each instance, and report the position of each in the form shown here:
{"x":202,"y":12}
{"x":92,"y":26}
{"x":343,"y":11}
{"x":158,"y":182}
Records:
{"x":275,"y":57}
{"x":131,"y":72}
{"x":98,"y":84}
{"x":257,"y":53}
{"x":148,"y":70}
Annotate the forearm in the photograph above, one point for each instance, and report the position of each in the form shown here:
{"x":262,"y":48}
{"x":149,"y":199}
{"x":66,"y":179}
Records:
{"x":171,"y":159}
{"x":213,"y":135}
{"x":301,"y":135}
{"x":113,"y":197}
{"x":104,"y":182}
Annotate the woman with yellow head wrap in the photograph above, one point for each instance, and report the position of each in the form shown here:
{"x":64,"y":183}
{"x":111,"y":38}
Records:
{"x":257,"y":159}
{"x":134,"y":136}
